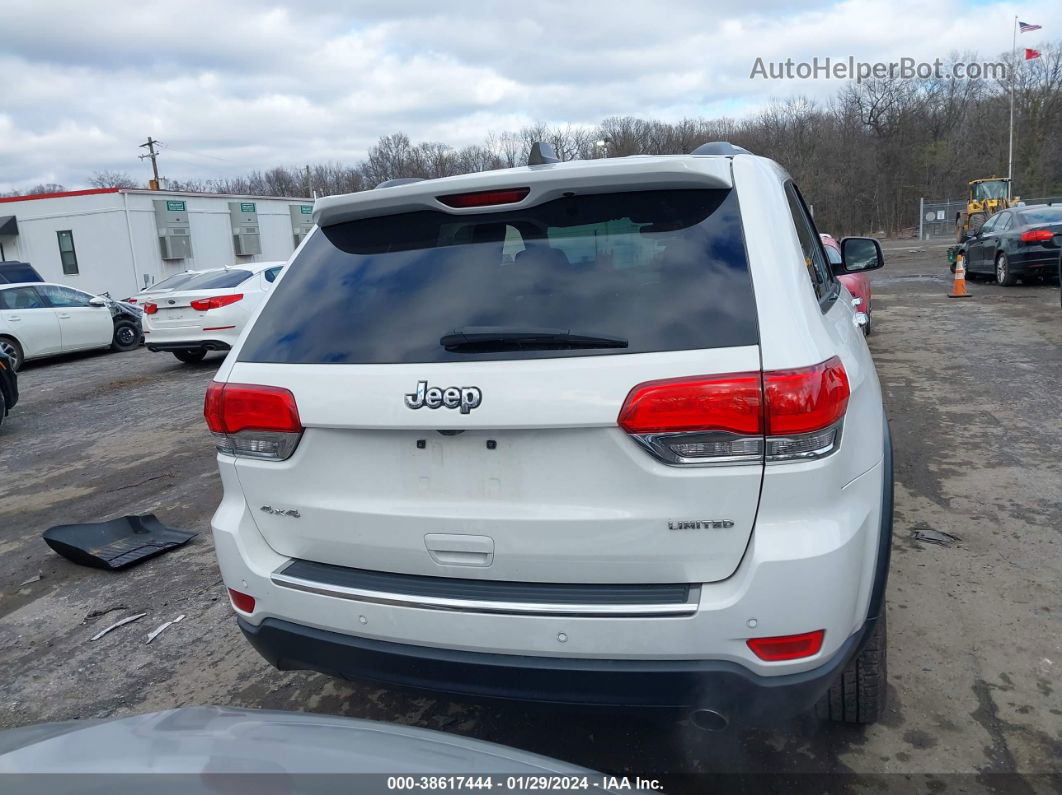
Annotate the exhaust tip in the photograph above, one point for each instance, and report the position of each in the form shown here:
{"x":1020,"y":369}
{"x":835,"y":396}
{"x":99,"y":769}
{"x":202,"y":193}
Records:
{"x":709,"y":720}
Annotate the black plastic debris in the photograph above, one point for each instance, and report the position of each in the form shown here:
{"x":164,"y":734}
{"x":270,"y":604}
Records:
{"x":117,"y":543}
{"x":938,"y":537}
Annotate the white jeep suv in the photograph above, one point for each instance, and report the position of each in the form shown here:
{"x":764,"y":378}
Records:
{"x":600,"y":432}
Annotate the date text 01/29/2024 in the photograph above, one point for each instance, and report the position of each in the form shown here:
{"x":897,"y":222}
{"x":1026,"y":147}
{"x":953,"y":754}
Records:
{"x":532,"y":783}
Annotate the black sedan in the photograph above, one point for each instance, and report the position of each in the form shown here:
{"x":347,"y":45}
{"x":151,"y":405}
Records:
{"x":8,"y":385}
{"x":1018,"y":243}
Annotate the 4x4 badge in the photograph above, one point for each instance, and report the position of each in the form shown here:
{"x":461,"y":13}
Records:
{"x":464,"y":397}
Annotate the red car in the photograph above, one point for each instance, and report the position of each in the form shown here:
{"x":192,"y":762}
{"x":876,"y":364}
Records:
{"x":858,"y":284}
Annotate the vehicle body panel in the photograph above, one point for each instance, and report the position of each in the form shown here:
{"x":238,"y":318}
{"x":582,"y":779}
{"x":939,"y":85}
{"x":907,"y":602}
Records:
{"x":858,"y":284}
{"x":566,"y":496}
{"x":1001,"y":234}
{"x":47,"y":319}
{"x":177,"y":324}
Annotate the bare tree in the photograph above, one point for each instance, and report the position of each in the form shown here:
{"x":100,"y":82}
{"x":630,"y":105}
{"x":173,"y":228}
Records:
{"x":113,"y":179}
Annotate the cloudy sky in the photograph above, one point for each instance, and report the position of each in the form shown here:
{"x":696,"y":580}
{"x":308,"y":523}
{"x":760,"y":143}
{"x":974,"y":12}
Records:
{"x":242,"y":84}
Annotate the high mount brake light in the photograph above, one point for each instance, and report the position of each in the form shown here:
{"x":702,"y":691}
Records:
{"x":1037,"y":236}
{"x":218,"y":301}
{"x":740,"y":418}
{"x":251,"y":421}
{"x":484,"y":198}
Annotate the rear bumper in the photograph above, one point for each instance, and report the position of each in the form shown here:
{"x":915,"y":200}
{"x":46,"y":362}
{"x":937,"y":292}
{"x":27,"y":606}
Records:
{"x":726,"y":687}
{"x":1035,"y":259}
{"x":191,"y":345}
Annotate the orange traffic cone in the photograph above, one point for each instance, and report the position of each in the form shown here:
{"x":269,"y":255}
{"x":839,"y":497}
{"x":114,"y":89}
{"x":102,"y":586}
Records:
{"x":958,"y":287}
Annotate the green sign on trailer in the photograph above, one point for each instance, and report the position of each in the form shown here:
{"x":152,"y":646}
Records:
{"x":306,"y":209}
{"x":175,"y":206}
{"x":247,"y":207}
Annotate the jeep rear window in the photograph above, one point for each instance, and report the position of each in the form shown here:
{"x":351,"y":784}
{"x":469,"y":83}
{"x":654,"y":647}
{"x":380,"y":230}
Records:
{"x":666,"y":270}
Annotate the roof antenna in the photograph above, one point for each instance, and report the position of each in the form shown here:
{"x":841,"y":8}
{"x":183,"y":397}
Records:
{"x":541,"y":154}
{"x":720,"y":148}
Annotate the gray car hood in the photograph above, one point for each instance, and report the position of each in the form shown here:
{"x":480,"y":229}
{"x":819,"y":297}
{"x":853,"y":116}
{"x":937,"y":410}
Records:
{"x":219,"y":740}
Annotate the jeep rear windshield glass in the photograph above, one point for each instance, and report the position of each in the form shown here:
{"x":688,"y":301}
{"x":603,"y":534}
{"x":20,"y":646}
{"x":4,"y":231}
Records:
{"x":663,"y":270}
{"x":216,"y":280}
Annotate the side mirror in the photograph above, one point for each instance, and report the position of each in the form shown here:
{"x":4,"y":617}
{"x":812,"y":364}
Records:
{"x":97,"y":301}
{"x":860,"y":254}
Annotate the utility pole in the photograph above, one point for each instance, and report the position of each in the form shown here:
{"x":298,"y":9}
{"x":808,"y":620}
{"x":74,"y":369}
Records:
{"x":1010,"y":145}
{"x":150,"y":144}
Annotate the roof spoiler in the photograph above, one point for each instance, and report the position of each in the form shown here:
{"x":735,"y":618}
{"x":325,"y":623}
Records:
{"x":720,"y":148}
{"x":391,"y":183}
{"x":541,"y":154}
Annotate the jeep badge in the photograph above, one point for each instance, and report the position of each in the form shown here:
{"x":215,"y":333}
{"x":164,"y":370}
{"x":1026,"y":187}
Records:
{"x":464,"y":397}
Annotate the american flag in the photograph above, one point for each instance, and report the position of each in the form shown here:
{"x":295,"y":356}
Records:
{"x":1027,"y":28}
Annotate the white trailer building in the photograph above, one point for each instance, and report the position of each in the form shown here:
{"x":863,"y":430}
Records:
{"x":122,"y":240}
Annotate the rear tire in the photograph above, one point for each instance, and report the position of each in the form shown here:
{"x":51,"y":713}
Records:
{"x":126,"y":337}
{"x":1003,"y":273}
{"x":10,"y":346}
{"x":868,"y":329}
{"x":3,"y":409}
{"x":858,"y":695}
{"x":190,"y":357}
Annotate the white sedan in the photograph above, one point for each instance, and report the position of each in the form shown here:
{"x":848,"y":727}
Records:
{"x":207,"y":312}
{"x":167,"y":285}
{"x":42,"y":319}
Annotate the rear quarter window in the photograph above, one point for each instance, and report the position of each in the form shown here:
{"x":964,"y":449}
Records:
{"x":666,"y":270}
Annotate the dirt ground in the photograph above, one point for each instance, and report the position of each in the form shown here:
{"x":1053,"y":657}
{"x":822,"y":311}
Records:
{"x":973,"y":391}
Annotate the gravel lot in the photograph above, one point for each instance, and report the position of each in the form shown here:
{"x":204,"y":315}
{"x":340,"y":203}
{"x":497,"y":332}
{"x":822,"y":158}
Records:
{"x":973,"y":393}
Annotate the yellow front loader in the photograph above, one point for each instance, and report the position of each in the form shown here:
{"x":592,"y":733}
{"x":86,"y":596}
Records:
{"x":987,"y":197}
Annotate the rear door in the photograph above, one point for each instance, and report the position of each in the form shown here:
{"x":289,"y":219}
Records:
{"x":503,"y":459}
{"x":980,"y":251}
{"x":81,"y":325}
{"x":26,"y":315}
{"x":993,"y":241}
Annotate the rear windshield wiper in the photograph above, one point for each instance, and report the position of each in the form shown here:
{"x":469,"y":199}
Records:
{"x":490,"y":339}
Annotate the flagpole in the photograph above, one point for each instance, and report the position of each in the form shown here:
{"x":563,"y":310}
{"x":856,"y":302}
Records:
{"x":1014,"y":68}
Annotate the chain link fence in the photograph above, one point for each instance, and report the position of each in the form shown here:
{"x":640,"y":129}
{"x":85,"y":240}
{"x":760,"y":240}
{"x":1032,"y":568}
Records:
{"x":937,"y":216}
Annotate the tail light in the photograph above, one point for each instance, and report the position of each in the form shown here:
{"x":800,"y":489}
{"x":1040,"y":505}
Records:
{"x":252,"y":421}
{"x":787,"y":647}
{"x":1037,"y":236}
{"x":150,"y":308}
{"x":216,"y":302}
{"x":739,"y":418}
{"x":706,"y":419}
{"x":804,"y":410}
{"x":129,"y":300}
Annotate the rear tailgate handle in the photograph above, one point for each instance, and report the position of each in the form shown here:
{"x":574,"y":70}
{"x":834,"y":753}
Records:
{"x":455,"y":549}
